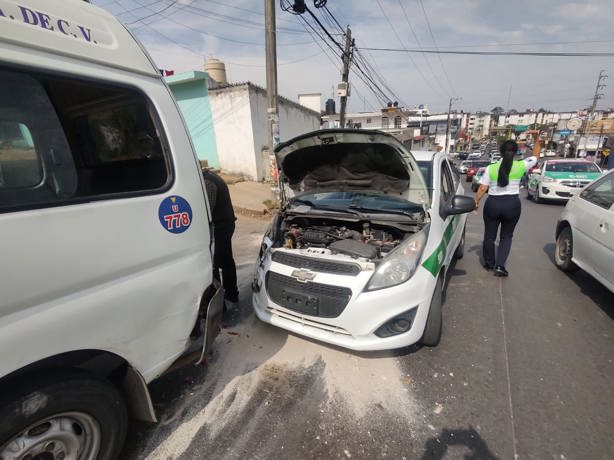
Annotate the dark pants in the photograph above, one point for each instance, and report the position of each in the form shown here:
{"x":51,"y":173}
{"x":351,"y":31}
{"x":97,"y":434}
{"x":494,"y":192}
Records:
{"x":222,"y":259}
{"x":501,"y":210}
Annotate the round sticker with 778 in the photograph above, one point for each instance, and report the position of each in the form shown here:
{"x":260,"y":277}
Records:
{"x":175,"y":214}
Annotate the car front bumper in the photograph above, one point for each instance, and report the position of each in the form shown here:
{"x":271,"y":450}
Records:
{"x":364,"y":314}
{"x":557,"y":191}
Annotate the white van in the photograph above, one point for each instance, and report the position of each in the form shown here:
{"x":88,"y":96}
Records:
{"x":105,"y":248}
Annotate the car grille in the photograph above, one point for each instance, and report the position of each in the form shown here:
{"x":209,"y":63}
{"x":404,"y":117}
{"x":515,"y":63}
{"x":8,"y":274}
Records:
{"x":575,"y":183}
{"x":318,"y":265}
{"x":314,"y":299}
{"x":564,"y":194}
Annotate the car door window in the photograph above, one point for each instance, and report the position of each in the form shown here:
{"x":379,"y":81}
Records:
{"x":447,"y":184}
{"x":600,"y":192}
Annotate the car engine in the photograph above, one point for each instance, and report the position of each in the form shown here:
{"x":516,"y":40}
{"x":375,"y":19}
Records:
{"x":356,"y":239}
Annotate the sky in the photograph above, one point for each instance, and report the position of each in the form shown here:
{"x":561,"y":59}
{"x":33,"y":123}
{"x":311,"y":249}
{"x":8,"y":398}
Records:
{"x":181,"y":34}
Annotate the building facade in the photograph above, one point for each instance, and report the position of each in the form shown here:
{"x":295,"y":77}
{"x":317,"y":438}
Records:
{"x":240,"y":121}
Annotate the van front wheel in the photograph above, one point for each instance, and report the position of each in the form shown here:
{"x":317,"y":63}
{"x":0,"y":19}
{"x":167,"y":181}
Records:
{"x":67,"y":415}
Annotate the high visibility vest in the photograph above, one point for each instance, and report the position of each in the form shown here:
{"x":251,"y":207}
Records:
{"x":518,"y":170}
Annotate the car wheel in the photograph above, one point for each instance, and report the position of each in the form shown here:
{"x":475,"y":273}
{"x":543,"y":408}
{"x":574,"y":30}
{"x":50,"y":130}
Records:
{"x":433,"y":327}
{"x":62,"y":415}
{"x":563,"y":251}
{"x":460,"y":249}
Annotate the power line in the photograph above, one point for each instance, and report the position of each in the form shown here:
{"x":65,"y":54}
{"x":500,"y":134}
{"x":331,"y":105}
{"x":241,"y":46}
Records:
{"x":403,"y":45}
{"x":424,"y":56}
{"x":494,"y":53}
{"x":199,"y":31}
{"x":155,"y":13}
{"x":428,"y":24}
{"x":376,"y":91}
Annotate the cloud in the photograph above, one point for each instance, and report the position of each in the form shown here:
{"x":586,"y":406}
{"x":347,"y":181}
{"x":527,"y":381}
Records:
{"x":234,"y":33}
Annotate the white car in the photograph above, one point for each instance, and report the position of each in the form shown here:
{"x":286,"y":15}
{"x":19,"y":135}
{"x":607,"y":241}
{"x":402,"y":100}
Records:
{"x":464,"y":166}
{"x":585,"y":232}
{"x":474,"y":156}
{"x":560,"y":179}
{"x":358,"y":254}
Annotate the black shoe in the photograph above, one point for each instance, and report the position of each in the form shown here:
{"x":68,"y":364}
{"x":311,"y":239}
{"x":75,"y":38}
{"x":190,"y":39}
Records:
{"x":501,"y":271}
{"x":488,"y":266}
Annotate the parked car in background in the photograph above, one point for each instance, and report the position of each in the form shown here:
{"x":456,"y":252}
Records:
{"x":474,"y":156}
{"x":495,"y":157}
{"x":473,"y":168}
{"x":547,"y":153}
{"x":585,"y":232}
{"x":475,"y":182}
{"x":357,"y":255}
{"x":464,"y":166}
{"x":560,"y":179}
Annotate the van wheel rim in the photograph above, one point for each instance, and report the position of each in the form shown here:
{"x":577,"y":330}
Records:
{"x":66,"y":436}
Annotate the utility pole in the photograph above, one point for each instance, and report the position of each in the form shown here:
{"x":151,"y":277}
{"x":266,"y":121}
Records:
{"x":452,"y":100}
{"x":347,"y":57}
{"x":589,"y":116}
{"x":271,"y":73}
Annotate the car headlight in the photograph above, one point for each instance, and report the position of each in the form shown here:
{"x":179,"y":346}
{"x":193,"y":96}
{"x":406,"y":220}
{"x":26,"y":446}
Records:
{"x":548,"y":179}
{"x":401,"y":264}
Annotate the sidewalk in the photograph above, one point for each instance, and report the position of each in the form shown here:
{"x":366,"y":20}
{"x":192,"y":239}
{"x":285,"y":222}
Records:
{"x":251,"y":198}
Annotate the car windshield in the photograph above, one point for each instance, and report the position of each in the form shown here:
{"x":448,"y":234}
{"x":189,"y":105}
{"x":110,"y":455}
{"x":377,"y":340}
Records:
{"x":357,"y":199}
{"x":426,"y":168}
{"x":480,"y":164}
{"x":572,"y":167}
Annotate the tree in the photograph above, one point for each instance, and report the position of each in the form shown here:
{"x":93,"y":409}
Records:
{"x":497,"y":110}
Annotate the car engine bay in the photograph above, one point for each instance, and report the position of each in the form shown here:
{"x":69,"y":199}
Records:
{"x":355,"y":238}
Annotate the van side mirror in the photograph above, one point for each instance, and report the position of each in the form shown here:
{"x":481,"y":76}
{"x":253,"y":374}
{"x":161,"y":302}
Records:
{"x":460,"y":204}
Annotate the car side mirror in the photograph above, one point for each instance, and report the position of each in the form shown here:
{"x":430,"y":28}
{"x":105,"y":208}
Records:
{"x":460,"y":204}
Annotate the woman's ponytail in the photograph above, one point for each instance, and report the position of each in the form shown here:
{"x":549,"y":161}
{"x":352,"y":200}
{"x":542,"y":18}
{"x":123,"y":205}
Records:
{"x":508,"y":149}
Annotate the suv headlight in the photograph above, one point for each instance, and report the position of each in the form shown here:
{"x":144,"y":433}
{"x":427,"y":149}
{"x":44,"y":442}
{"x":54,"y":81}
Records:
{"x":548,"y":179}
{"x":401,"y":264}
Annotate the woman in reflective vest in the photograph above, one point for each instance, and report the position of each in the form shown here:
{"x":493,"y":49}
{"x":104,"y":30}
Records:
{"x":501,"y":181}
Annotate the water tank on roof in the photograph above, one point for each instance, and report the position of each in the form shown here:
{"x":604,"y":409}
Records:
{"x":216,"y":70}
{"x":330,"y":107}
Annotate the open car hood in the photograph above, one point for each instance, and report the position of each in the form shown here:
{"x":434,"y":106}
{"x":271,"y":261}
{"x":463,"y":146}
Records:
{"x":341,"y":159}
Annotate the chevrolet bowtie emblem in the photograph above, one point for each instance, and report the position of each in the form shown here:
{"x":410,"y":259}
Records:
{"x":303,"y":275}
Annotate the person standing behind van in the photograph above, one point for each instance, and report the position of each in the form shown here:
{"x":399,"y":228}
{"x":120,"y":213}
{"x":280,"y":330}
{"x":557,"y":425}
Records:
{"x":501,"y":181}
{"x":223,"y":228}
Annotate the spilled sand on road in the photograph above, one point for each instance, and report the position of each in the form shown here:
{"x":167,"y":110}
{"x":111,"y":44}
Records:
{"x":263,"y":359}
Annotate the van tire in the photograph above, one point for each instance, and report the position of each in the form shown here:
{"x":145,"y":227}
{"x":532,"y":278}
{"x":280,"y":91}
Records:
{"x":434,"y":321}
{"x":563,"y":251}
{"x":91,"y":411}
{"x":460,"y":249}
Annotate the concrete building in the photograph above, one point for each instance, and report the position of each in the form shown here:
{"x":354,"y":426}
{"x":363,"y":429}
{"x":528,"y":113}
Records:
{"x":479,"y":125}
{"x":312,"y":101}
{"x":191,"y":91}
{"x":240,"y":122}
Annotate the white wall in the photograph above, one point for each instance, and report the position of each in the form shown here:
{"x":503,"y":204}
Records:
{"x":232,"y":120}
{"x":293,"y":120}
{"x":241,"y":127}
{"x":311,"y":101}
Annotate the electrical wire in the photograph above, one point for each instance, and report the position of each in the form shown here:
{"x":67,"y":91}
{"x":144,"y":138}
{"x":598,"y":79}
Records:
{"x":199,"y":31}
{"x":443,"y":67}
{"x":411,"y":59}
{"x":497,"y":53}
{"x":155,"y":13}
{"x":424,"y":56}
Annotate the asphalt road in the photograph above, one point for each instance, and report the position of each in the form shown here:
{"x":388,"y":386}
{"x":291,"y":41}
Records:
{"x":525,"y":369}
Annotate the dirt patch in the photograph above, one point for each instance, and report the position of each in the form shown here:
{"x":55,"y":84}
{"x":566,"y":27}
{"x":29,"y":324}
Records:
{"x":266,"y":381}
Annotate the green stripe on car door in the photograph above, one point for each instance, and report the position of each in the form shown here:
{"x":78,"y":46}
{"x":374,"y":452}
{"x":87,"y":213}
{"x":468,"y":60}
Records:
{"x":434,"y":262}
